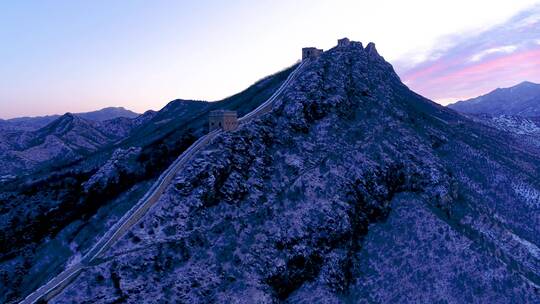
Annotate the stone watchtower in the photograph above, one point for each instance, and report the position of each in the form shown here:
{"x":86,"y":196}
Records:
{"x":311,"y":52}
{"x":222,"y":119}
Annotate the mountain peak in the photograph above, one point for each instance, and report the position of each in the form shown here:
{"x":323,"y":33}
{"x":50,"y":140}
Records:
{"x":522,"y":99}
{"x":108,"y":113}
{"x":63,"y":123}
{"x":68,"y":115}
{"x":66,"y":118}
{"x":371,"y":49}
{"x":526,"y":84}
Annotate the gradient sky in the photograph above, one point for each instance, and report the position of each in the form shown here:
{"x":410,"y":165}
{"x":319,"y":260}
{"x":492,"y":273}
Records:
{"x":59,"y":56}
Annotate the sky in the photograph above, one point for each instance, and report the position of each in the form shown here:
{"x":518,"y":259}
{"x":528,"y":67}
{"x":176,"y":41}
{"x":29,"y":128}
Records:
{"x":76,"y":56}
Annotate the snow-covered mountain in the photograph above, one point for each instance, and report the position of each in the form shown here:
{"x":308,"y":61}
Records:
{"x":353,"y":189}
{"x":520,"y":100}
{"x":34,"y":123}
{"x":64,"y":140}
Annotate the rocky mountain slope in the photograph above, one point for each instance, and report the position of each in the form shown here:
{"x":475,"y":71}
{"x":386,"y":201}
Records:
{"x":51,"y":217}
{"x":520,"y":100}
{"x":525,"y":129}
{"x":34,"y":123}
{"x":354,"y":189}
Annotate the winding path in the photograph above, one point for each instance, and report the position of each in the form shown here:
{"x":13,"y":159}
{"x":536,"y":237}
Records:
{"x":131,"y":217}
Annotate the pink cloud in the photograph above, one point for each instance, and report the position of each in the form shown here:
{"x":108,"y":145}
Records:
{"x":526,"y":58}
{"x":501,"y":56}
{"x":462,"y":78}
{"x":422,"y":72}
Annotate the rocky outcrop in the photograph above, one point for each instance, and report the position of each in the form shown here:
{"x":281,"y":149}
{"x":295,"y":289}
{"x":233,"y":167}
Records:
{"x":122,"y":162}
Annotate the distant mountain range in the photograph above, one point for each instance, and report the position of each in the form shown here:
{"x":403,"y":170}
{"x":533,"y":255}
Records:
{"x":34,"y":123}
{"x":521,"y":100}
{"x":26,"y":145}
{"x":515,"y":110}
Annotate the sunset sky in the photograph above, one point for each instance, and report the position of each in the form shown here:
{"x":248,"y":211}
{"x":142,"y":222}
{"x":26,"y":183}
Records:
{"x":76,"y":56}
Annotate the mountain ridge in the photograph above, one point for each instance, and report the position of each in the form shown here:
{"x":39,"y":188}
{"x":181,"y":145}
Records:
{"x":522,"y":99}
{"x":67,"y":138}
{"x":29,"y":123}
{"x":294,"y":206}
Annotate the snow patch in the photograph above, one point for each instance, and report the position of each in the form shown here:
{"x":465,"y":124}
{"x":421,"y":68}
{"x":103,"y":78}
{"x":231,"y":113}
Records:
{"x":528,"y":194}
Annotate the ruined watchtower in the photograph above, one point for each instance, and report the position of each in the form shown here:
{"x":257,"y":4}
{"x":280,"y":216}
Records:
{"x":343,"y":42}
{"x":222,"y":119}
{"x":311,"y":52}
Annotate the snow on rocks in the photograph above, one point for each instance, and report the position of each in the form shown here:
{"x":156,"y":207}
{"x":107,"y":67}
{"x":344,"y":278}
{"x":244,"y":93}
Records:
{"x":122,"y":160}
